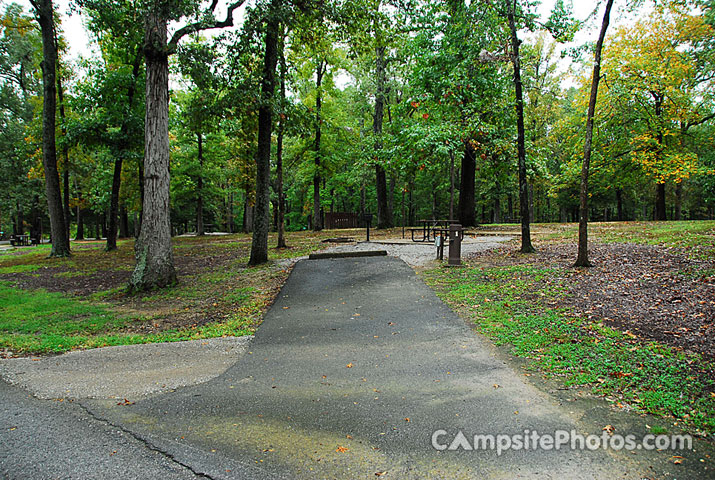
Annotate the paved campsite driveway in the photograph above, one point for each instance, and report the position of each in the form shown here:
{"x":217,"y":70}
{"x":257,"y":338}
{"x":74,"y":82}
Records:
{"x":354,"y":368}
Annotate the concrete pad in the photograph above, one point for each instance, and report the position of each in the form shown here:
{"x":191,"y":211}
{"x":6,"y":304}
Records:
{"x":124,"y":372}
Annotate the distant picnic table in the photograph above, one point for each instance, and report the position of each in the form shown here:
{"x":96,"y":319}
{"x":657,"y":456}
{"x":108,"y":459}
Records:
{"x":429,"y":228}
{"x":22,"y":240}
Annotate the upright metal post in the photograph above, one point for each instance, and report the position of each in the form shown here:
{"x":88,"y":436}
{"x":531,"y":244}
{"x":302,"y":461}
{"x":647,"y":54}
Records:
{"x":368,"y":220}
{"x":455,"y":244}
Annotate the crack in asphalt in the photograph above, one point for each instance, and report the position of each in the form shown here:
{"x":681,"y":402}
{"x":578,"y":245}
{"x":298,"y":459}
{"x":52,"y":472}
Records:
{"x":143,"y":441}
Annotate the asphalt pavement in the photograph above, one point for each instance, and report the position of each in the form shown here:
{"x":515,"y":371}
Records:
{"x":358,"y":371}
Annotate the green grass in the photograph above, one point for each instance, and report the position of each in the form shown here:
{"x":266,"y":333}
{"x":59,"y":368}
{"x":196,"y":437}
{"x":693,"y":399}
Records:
{"x":37,"y":321}
{"x":681,"y":234}
{"x":41,"y":321}
{"x":26,"y":268}
{"x":231,"y":294}
{"x":510,"y":305}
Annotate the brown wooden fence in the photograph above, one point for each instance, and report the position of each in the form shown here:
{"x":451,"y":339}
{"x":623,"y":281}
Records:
{"x":342,"y":220}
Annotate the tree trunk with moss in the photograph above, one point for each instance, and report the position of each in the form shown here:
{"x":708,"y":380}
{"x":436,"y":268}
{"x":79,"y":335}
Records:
{"x":261,"y":218}
{"x":60,"y":240}
{"x":154,"y":258}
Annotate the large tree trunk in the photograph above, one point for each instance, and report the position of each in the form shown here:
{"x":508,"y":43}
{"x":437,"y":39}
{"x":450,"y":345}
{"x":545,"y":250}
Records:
{"x":261,"y":219}
{"x":66,"y":160}
{"x":60,"y":242}
{"x":660,"y":207}
{"x":199,"y":188}
{"x":582,"y":259}
{"x":384,"y":213}
{"x":526,"y":246}
{"x":65,"y":149}
{"x":466,"y":207}
{"x":279,"y":154}
{"x":154,"y":257}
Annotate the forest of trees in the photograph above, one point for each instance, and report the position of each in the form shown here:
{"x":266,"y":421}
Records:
{"x":407,"y":109}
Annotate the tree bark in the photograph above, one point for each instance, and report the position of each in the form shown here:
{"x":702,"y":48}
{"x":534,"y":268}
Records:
{"x":279,"y":153}
{"x":526,"y":246}
{"x":65,"y":149}
{"x":660,"y":207}
{"x":154,"y":257}
{"x":466,"y":207}
{"x":261,"y":218}
{"x":619,"y":204}
{"x":60,"y":243}
{"x":140,"y":174}
{"x":384,"y":214}
{"x":582,"y":258}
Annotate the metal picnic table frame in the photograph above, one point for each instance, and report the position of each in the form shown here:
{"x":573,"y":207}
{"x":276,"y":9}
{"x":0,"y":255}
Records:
{"x":428,"y":229}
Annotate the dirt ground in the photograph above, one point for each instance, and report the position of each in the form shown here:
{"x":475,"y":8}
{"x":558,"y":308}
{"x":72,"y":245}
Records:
{"x":654,"y":292}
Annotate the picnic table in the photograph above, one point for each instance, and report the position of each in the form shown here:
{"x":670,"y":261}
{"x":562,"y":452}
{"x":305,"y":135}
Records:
{"x":426,"y":232}
{"x":20,"y":240}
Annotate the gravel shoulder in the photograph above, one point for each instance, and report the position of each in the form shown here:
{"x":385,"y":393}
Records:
{"x":421,"y":254}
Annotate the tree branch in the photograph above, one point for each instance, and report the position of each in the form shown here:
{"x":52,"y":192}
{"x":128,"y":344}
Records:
{"x":199,"y":26}
{"x":702,"y":120}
